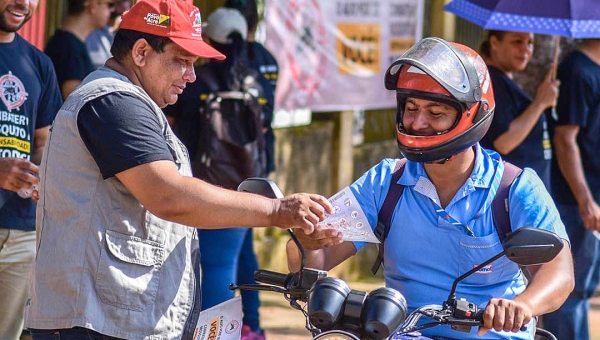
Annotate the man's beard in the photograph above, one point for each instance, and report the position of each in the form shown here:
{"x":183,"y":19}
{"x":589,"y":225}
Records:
{"x":4,"y":26}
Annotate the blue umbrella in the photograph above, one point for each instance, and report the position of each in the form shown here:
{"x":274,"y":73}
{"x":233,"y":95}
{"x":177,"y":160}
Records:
{"x":566,"y":18}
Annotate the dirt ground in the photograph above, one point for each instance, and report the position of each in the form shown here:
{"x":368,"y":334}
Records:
{"x":281,"y":322}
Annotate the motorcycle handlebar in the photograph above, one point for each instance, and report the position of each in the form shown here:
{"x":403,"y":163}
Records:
{"x":479,"y":317}
{"x":272,"y":278}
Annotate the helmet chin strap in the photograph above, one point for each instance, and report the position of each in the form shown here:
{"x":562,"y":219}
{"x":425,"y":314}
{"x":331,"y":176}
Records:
{"x":443,"y":161}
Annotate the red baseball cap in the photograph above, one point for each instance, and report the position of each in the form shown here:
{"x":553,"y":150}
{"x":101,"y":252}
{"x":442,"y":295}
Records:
{"x":177,"y":20}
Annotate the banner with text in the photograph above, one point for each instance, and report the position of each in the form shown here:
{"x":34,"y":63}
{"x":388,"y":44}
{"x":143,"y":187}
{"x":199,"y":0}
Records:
{"x":333,"y":55}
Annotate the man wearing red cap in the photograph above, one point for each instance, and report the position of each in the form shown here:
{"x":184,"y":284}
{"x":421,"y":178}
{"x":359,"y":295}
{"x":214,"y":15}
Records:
{"x":116,"y":254}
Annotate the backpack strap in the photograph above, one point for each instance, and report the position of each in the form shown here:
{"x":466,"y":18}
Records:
{"x":500,"y":207}
{"x":385,"y":213}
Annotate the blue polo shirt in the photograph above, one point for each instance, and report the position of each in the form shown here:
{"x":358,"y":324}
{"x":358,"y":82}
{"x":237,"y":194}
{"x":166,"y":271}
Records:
{"x":424,"y":253}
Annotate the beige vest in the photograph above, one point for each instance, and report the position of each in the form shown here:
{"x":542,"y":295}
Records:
{"x":104,"y":262}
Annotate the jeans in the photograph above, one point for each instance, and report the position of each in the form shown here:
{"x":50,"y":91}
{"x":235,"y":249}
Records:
{"x":219,"y":251}
{"x":17,"y":253}
{"x":245,"y":272}
{"x":227,"y":256}
{"x":570,"y":321}
{"x":77,"y":333}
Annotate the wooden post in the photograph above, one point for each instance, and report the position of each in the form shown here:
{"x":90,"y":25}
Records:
{"x":342,"y":155}
{"x":33,"y":30}
{"x":442,"y":22}
{"x":345,"y":153}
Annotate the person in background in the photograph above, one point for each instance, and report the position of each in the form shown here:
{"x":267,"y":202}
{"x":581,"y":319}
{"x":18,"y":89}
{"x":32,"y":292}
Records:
{"x":576,"y":182}
{"x":264,"y":62}
{"x":67,"y":47}
{"x":226,"y":29}
{"x":118,"y":208}
{"x":519,"y":131}
{"x":30,"y":100}
{"x":442,"y":226}
{"x":99,"y":41}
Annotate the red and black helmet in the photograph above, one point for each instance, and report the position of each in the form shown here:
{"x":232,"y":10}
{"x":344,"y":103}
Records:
{"x":434,"y":69}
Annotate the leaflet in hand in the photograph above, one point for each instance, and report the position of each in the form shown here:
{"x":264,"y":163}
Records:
{"x":221,"y":322}
{"x":349,"y":218}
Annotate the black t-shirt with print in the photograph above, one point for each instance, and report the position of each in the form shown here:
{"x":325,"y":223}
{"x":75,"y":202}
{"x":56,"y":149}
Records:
{"x":30,"y":99}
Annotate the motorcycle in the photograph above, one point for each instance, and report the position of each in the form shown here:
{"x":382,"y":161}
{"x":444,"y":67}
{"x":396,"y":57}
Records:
{"x":333,"y":311}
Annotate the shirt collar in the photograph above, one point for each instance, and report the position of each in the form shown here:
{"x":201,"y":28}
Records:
{"x":482,"y":176}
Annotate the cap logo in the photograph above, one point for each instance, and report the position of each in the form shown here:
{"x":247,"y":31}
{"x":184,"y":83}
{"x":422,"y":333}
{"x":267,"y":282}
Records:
{"x":197,"y":23}
{"x":157,"y":19}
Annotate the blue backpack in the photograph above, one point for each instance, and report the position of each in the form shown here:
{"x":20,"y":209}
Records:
{"x":499,"y":206}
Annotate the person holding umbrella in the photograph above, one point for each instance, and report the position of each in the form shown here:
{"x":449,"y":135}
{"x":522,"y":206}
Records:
{"x":519,"y":130}
{"x":576,"y":182}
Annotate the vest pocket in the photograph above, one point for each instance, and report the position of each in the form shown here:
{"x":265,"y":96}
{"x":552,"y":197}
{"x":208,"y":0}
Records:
{"x":129,"y":271}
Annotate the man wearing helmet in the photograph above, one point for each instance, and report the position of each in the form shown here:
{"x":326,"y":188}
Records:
{"x":442,"y":225}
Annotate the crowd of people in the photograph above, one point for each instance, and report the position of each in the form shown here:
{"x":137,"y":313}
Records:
{"x":109,"y":227}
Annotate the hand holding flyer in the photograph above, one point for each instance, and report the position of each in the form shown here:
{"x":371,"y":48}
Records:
{"x":349,"y":218}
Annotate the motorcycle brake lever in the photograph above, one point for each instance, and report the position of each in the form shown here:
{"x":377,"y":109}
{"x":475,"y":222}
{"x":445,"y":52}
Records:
{"x":268,"y":288}
{"x":458,"y":323}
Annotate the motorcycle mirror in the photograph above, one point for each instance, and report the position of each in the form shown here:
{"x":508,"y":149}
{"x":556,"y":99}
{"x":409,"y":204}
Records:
{"x":266,"y":187}
{"x":261,"y":186}
{"x":528,"y":246}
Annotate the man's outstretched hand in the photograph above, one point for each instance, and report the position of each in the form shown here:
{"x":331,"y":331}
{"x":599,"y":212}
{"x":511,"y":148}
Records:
{"x":302,"y":211}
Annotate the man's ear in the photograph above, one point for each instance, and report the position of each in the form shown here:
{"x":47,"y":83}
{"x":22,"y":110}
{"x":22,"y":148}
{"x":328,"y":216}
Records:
{"x":493,"y":41}
{"x":91,"y":6}
{"x":139,"y":52}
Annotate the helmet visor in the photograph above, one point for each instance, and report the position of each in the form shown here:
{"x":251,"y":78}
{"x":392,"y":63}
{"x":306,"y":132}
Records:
{"x":446,"y":64}
{"x":441,"y":62}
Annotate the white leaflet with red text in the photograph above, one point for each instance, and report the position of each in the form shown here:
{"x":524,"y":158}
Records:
{"x":221,"y":322}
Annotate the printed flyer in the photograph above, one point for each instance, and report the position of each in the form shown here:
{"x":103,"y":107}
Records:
{"x":221,"y":322}
{"x":349,"y":218}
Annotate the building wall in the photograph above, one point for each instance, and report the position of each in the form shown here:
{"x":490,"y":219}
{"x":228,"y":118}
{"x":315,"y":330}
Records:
{"x":33,"y":30}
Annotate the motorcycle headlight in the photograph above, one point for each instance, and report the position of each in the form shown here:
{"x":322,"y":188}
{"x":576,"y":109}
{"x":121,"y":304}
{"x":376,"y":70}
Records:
{"x":336,"y":335}
{"x":326,"y":302}
{"x":383,"y":312}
